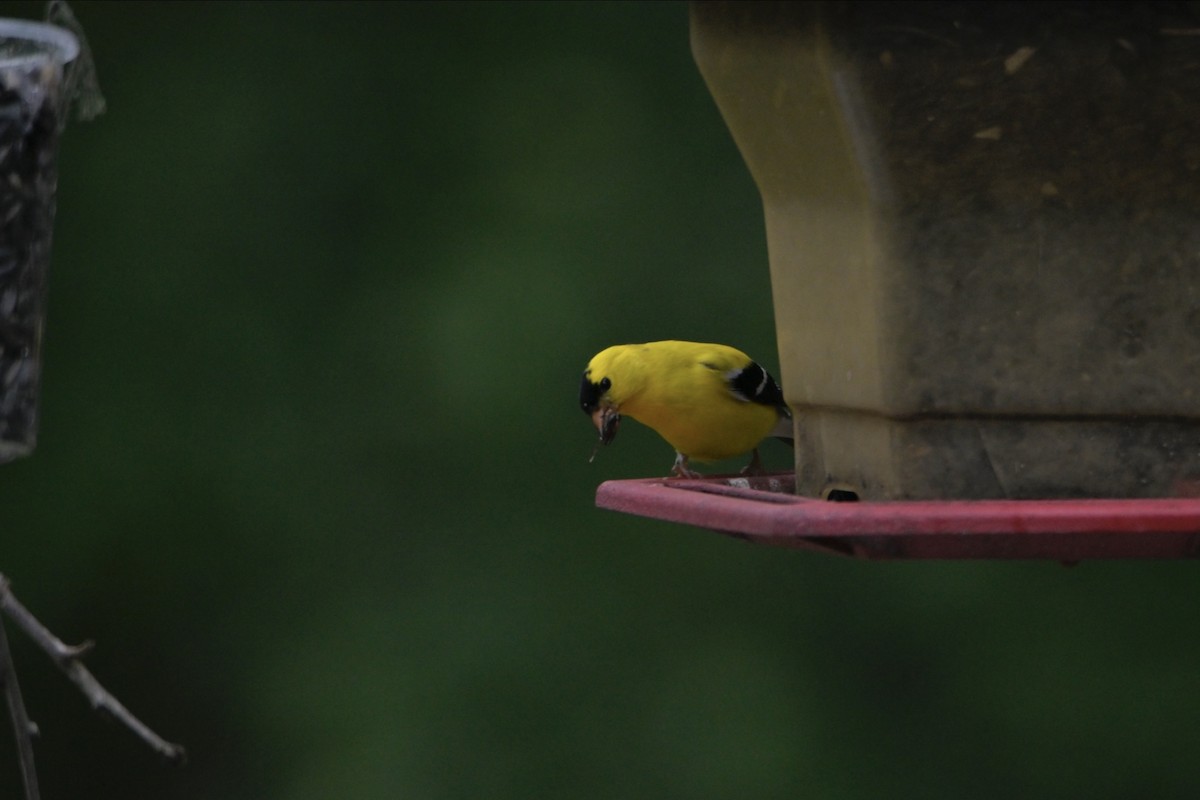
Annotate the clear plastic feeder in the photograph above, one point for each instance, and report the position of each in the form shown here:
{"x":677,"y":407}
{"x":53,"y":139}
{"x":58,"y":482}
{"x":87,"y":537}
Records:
{"x":33,"y":105}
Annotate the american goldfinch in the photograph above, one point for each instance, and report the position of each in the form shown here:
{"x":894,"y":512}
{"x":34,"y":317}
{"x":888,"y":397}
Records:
{"x":709,"y":401}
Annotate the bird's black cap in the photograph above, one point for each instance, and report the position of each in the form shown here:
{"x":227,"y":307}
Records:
{"x":590,"y":393}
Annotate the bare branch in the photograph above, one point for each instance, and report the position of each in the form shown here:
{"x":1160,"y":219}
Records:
{"x":23,"y":728}
{"x":66,"y":658}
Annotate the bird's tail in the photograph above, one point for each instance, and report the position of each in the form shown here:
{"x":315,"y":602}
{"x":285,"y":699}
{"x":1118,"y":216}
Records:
{"x":783,"y":430}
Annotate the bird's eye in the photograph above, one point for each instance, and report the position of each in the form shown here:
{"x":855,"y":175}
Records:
{"x":605,"y":384}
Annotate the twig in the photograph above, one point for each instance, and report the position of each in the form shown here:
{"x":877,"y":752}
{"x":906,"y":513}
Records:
{"x":23,"y":728}
{"x":66,"y":658}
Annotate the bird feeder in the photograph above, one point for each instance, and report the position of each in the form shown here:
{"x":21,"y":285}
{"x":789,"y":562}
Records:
{"x":983,"y":224}
{"x":33,"y":103}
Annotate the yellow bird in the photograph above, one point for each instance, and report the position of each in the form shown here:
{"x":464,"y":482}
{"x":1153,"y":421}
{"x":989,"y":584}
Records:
{"x":709,"y":401}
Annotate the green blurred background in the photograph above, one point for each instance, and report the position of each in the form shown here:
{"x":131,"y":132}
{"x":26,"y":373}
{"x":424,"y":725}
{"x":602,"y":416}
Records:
{"x":313,"y":475}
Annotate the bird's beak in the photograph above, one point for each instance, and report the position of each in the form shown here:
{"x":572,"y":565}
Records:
{"x":607,"y":420}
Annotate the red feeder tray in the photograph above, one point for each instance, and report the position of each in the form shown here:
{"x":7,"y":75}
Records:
{"x":766,"y":510}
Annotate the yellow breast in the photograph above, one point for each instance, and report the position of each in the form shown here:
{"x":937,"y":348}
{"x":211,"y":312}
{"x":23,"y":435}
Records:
{"x":686,"y":399}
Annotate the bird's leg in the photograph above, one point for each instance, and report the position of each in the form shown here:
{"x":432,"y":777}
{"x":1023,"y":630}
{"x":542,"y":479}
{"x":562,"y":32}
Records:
{"x":755,"y":466}
{"x":680,"y":470}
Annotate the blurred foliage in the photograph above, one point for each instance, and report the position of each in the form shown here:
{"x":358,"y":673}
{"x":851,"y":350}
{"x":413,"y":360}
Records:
{"x":313,"y":474}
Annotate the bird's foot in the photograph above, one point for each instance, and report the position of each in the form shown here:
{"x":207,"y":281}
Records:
{"x":680,"y":468}
{"x":755,"y":467}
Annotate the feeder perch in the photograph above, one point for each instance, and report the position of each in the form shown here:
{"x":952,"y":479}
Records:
{"x":766,"y":510}
{"x":983,"y":224}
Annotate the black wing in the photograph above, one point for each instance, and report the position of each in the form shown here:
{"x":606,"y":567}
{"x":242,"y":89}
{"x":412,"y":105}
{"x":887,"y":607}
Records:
{"x":754,"y":384}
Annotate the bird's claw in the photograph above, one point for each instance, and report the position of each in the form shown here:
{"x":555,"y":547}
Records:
{"x":680,"y":468}
{"x":755,"y":467}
